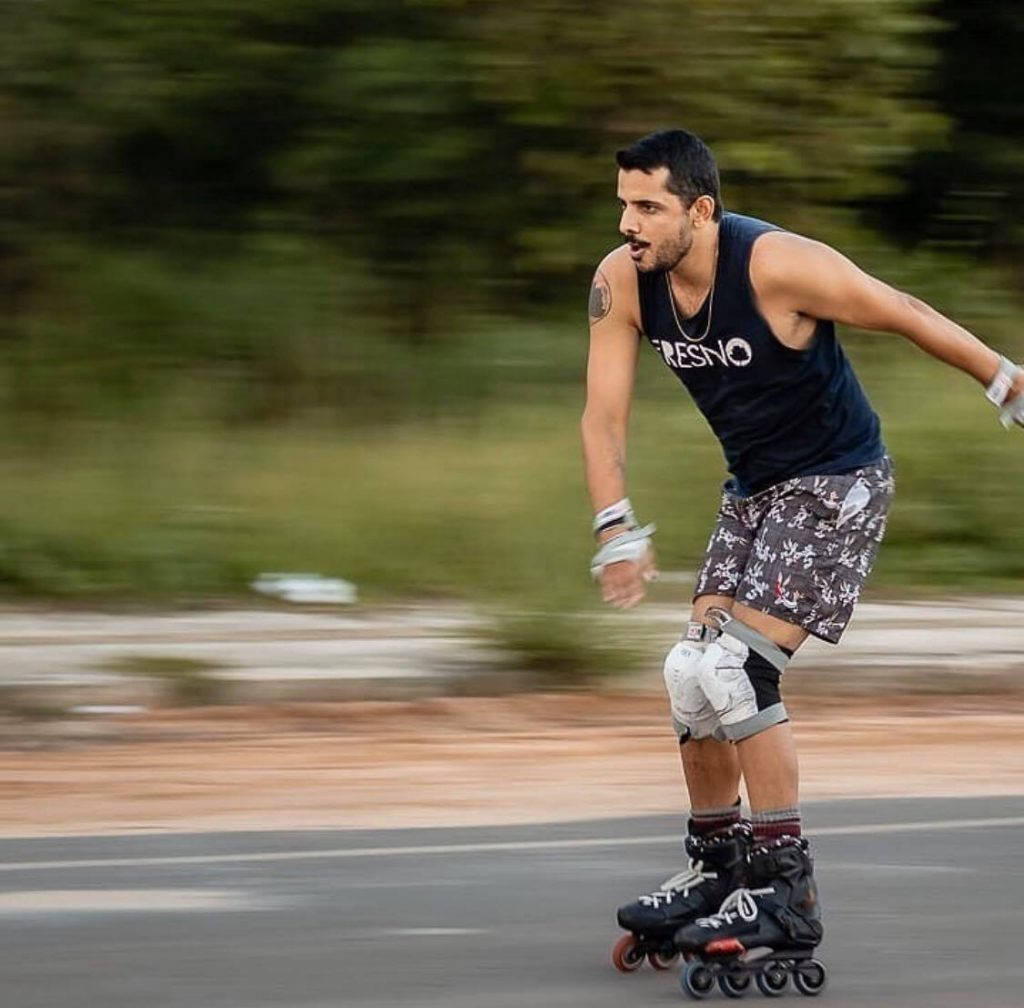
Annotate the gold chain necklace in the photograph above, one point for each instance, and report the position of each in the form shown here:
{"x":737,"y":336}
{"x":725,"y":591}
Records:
{"x":711,"y":302}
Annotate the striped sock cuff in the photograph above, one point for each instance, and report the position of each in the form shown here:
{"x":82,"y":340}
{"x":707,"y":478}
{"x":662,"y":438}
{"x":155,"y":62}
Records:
{"x":774,"y":823}
{"x":708,"y":820}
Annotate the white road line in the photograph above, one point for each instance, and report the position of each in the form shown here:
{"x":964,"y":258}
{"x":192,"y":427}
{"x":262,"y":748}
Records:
{"x":132,"y":900}
{"x":871,"y":868}
{"x":409,"y":884}
{"x":428,"y":932}
{"x":482,"y":848}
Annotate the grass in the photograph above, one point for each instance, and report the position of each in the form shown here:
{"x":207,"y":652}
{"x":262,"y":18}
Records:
{"x":490,"y":507}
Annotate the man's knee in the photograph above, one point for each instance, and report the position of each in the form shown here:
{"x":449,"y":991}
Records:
{"x":692,"y":715}
{"x":739,"y":674}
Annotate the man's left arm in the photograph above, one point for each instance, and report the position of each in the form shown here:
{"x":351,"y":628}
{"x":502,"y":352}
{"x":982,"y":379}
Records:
{"x":812,"y":279}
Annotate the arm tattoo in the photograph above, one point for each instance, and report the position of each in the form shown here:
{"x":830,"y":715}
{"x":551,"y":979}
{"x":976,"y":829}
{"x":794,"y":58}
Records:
{"x":600,"y":298}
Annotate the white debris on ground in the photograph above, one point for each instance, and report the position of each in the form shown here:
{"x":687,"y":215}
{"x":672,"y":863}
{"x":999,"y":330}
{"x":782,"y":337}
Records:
{"x":306,"y":589}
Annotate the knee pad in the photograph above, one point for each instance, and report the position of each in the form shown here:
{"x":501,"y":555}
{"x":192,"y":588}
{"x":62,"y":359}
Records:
{"x":739,"y":674}
{"x":692,"y":716}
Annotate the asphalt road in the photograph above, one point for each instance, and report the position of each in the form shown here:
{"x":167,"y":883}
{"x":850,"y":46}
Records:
{"x":924,"y":902}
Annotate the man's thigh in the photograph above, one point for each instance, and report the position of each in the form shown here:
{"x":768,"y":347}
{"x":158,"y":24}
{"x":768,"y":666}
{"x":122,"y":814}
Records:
{"x":815,"y":548}
{"x":727,"y":555}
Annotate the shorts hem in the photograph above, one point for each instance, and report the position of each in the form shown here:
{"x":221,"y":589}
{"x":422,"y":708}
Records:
{"x":722,"y":594}
{"x":826,"y":640}
{"x":779,"y":615}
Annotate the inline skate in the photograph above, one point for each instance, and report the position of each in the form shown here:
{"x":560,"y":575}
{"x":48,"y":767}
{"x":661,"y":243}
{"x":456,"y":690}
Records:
{"x":716,"y":867}
{"x":763,"y":933}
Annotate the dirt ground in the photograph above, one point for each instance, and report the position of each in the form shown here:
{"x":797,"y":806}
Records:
{"x":467,"y":760}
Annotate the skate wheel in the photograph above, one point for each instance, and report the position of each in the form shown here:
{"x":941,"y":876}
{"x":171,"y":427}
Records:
{"x":734,"y":984}
{"x":772,"y":982}
{"x":809,"y":977}
{"x":663,"y":959}
{"x":627,"y":954}
{"x":697,"y":980}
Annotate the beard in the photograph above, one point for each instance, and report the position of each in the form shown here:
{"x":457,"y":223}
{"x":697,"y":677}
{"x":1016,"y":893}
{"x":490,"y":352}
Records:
{"x":667,"y":255}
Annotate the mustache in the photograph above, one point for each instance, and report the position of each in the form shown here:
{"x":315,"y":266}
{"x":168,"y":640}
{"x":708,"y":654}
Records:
{"x":635,"y":241}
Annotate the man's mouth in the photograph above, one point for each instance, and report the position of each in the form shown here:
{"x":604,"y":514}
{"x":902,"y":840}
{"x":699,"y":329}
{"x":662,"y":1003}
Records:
{"x":636,"y":248}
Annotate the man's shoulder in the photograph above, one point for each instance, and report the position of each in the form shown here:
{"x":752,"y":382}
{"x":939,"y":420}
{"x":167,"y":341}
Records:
{"x":618,"y":270}
{"x":615,"y":283}
{"x":617,"y":262}
{"x":777,"y":253}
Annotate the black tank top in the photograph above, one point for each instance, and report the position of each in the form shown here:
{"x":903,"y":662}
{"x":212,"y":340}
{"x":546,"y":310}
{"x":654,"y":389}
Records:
{"x":778,"y":412}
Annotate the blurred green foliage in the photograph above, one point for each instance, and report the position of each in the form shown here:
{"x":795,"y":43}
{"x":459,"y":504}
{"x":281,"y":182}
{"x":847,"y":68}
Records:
{"x":301,"y":286}
{"x":965,"y":195}
{"x":455,"y":154}
{"x":487,"y":506}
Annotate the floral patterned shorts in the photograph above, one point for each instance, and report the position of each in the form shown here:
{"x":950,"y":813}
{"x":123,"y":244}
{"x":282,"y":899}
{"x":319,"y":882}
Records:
{"x":802,"y":549}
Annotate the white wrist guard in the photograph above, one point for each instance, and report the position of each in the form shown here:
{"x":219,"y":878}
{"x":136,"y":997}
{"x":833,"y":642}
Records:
{"x":1011,"y":410}
{"x":619,"y":513}
{"x":631,"y":545}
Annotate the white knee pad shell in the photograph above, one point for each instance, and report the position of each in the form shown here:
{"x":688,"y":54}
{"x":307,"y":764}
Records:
{"x":738,"y":673}
{"x":692,"y":715}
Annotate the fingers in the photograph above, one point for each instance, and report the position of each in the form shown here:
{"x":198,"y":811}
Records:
{"x":623,"y":584}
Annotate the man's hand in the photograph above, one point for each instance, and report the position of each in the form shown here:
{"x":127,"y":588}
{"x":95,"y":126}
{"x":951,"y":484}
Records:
{"x":1013,"y":407}
{"x":1006,"y":393}
{"x":624,"y":584}
{"x":1015,"y":400}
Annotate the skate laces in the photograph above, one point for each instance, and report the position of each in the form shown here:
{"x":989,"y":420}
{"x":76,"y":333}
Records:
{"x":738,"y":905}
{"x":691,"y":877}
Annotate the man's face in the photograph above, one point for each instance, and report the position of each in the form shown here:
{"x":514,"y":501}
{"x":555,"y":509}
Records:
{"x":654,"y":221}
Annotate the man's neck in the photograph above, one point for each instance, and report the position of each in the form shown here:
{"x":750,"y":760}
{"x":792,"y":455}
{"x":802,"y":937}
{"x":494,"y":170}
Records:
{"x":696,"y":270}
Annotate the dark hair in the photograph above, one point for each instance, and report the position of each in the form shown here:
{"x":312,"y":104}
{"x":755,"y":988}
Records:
{"x":692,"y":171}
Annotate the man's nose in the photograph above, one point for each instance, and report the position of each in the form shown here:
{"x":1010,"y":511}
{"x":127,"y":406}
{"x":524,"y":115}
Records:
{"x":628,"y":223}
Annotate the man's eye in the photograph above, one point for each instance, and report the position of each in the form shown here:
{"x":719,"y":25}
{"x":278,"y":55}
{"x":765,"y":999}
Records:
{"x":648,"y":208}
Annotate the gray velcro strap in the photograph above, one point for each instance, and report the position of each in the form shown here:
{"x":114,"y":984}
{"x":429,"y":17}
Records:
{"x":773,"y":715}
{"x":756,"y":641}
{"x":631,"y":545}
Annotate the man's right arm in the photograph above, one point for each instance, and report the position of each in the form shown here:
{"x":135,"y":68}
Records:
{"x":611,"y":370}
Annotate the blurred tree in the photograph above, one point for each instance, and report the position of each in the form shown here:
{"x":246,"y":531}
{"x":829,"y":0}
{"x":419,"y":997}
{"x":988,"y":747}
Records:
{"x":806,"y":106}
{"x":965,"y":194}
{"x":281,"y":204}
{"x":459,"y":146}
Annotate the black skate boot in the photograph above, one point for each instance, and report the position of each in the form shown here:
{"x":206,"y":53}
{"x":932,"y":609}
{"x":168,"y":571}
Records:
{"x":716,"y":867}
{"x":766,"y":932}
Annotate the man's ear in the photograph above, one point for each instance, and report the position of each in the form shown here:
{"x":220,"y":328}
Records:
{"x":702,"y":210}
